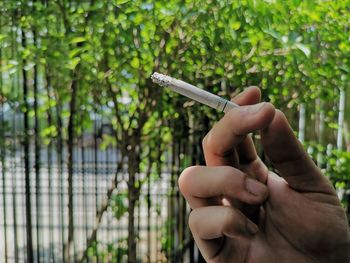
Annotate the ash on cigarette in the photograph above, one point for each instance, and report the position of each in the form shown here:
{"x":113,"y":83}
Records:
{"x":161,"y":79}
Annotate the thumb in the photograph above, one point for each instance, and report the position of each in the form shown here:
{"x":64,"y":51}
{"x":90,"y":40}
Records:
{"x":290,"y":159}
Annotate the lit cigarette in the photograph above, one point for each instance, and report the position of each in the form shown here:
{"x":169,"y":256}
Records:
{"x":193,"y":92}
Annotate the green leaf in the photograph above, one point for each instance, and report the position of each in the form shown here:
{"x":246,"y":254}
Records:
{"x":138,"y":18}
{"x":120,"y":2}
{"x":235,"y":25}
{"x":304,"y":49}
{"x":74,"y":52}
{"x":73,"y":63}
{"x":135,"y":62}
{"x":273,"y":33}
{"x":77,"y":40}
{"x":2,"y":37}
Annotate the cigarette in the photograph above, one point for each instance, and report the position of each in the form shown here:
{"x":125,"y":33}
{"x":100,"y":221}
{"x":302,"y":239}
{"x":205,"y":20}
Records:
{"x":193,"y":92}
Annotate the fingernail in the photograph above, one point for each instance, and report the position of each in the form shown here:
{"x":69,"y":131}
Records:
{"x":255,"y":108}
{"x":255,"y":187}
{"x":252,"y":228}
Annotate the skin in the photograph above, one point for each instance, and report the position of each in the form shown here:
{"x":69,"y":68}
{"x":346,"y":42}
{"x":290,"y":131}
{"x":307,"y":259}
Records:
{"x":242,"y":212}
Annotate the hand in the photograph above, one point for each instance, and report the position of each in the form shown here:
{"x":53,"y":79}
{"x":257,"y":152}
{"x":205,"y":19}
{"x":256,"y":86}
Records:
{"x":244,"y":213}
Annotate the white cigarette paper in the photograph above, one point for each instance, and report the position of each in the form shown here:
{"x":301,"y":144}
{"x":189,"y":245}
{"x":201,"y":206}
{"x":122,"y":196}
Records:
{"x":193,"y":92}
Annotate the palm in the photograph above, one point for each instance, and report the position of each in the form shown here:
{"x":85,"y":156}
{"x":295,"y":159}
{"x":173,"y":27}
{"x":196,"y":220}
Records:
{"x":292,"y":224}
{"x":298,"y":227}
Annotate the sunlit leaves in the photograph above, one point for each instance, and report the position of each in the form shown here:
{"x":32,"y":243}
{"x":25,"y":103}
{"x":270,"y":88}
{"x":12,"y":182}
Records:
{"x":73,"y":63}
{"x":77,"y":40}
{"x":119,"y":204}
{"x":135,"y":62}
{"x":296,"y":51}
{"x":120,"y":2}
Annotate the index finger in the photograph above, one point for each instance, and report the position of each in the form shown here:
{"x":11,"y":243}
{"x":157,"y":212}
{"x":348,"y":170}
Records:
{"x":220,"y":142}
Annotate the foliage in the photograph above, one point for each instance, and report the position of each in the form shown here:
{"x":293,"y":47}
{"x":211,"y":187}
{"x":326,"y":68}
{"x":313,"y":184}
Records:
{"x":296,"y":51}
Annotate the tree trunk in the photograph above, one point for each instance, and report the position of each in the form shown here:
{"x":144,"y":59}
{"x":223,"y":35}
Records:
{"x":26,"y":143}
{"x":99,"y":213}
{"x":37,"y":154}
{"x":70,"y":145}
{"x":59,"y":150}
{"x":49,"y":162}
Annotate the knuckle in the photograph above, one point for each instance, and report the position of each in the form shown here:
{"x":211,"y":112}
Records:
{"x":238,"y":119}
{"x":281,"y":117}
{"x":184,"y":177}
{"x":279,"y":112}
{"x":205,"y":141}
{"x":193,"y":220}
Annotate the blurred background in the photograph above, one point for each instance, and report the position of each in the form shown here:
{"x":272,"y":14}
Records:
{"x":91,"y":149}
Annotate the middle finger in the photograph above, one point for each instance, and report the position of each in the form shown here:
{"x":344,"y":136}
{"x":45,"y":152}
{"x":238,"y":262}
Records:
{"x":201,"y":185}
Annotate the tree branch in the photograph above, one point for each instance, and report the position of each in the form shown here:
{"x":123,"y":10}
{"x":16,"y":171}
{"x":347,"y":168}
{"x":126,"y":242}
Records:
{"x":100,"y":212}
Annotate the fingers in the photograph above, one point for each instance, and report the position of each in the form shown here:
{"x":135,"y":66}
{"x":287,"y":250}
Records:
{"x":212,"y":228}
{"x":231,"y":130}
{"x":246,"y":152}
{"x":206,"y":186}
{"x":290,"y":159}
{"x":250,"y":95}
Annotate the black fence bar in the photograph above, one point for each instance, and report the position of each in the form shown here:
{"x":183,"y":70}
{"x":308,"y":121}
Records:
{"x":94,"y":173}
{"x":3,"y":165}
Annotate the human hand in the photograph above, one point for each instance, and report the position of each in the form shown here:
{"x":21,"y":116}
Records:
{"x":244,"y":213}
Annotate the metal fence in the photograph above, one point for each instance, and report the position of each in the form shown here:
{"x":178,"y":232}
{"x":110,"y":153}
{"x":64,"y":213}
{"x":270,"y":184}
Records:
{"x":34,"y":197}
{"x":100,"y":223}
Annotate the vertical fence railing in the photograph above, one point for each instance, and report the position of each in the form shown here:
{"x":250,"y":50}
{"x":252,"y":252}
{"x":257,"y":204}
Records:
{"x":89,"y":192}
{"x":161,"y":212}
{"x":4,"y":246}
